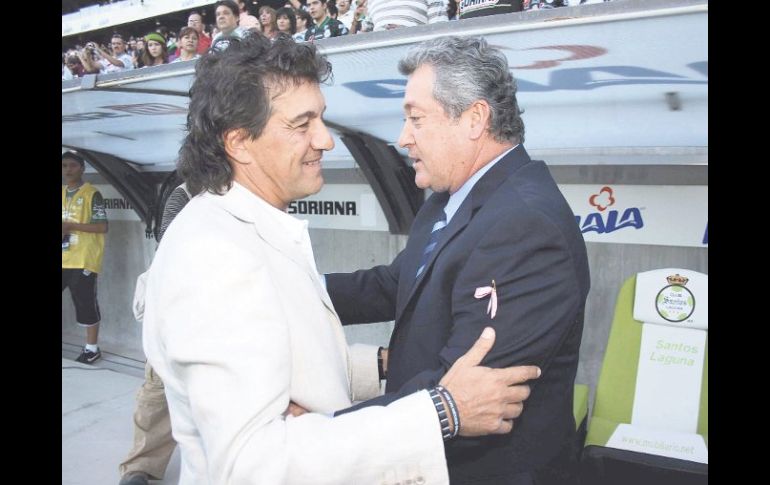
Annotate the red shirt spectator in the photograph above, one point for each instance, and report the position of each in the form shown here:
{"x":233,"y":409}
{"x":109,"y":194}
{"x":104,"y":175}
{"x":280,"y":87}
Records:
{"x":195,"y":21}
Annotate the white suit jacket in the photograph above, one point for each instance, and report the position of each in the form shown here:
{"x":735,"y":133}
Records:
{"x":237,"y":324}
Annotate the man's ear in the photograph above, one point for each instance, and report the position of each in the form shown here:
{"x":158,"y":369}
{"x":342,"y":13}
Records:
{"x":235,"y":146}
{"x":480,"y":118}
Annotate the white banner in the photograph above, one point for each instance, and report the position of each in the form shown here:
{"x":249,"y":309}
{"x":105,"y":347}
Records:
{"x":626,"y":214}
{"x":118,"y":208}
{"x":666,"y":215}
{"x":349,"y":206}
{"x":341,"y":206}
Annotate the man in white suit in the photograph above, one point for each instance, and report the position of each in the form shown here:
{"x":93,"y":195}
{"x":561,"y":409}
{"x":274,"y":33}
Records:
{"x":239,"y":327}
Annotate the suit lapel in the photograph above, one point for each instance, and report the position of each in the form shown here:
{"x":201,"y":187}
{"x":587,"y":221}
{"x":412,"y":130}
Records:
{"x":289,"y":247}
{"x":418,"y":239}
{"x":481,"y":192}
{"x":244,"y":205}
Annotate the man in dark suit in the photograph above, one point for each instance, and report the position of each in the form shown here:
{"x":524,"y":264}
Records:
{"x":496,"y":244}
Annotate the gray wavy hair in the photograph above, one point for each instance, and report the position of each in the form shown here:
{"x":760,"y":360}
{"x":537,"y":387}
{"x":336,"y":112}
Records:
{"x":469,"y":69}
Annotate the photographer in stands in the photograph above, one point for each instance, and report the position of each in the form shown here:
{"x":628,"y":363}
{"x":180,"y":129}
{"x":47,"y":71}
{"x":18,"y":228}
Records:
{"x":99,"y":60}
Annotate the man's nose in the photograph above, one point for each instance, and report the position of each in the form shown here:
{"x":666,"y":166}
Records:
{"x":323,"y":139}
{"x":405,"y":137}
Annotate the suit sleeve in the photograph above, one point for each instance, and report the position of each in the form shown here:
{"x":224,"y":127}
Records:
{"x":367,"y":295}
{"x":538,"y":299}
{"x":230,"y":363}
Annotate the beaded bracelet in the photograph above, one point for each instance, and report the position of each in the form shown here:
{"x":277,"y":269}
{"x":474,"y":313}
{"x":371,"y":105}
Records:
{"x":446,"y":432}
{"x":452,"y":408}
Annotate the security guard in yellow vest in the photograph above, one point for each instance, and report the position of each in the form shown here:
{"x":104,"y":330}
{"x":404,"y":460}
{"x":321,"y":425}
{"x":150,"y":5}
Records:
{"x":83,"y":225}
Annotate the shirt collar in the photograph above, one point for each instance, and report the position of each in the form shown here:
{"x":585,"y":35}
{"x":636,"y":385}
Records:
{"x":295,"y":228}
{"x":456,"y":199}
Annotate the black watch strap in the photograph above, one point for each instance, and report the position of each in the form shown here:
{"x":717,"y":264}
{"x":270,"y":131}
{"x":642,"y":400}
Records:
{"x":381,"y":371}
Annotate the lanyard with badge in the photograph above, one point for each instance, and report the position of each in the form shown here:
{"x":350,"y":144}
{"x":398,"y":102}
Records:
{"x":68,"y":239}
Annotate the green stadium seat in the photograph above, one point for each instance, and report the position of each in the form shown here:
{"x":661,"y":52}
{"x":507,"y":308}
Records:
{"x":650,"y":417}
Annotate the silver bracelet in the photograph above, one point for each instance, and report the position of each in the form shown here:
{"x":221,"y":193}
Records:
{"x":452,"y":408}
{"x":446,"y":433}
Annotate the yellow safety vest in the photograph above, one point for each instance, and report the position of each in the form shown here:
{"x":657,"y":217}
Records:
{"x":84,"y":249}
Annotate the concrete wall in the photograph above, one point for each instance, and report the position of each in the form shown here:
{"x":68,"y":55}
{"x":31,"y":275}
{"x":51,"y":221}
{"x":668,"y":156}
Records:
{"x":127,"y":253}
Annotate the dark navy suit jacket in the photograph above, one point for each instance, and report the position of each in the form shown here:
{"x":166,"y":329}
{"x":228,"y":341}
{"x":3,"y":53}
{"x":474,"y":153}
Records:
{"x":516,"y":228}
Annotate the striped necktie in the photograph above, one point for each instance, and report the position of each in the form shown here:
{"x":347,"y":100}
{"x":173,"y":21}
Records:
{"x":432,"y":242}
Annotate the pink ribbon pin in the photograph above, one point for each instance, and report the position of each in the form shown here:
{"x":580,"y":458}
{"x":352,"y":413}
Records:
{"x":483,"y":291}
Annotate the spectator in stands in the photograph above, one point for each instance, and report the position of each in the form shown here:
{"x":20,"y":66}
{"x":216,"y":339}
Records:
{"x":131,"y":48}
{"x":345,"y":14}
{"x":245,"y":19}
{"x":83,"y":226}
{"x":105,"y":62}
{"x":331,"y":10}
{"x":171,"y":43}
{"x":227,"y":13}
{"x":304,"y":21}
{"x":156,"y":52}
{"x":392,"y":14}
{"x":188,"y":45}
{"x":286,"y":21}
{"x":153,"y":441}
{"x":163,"y":30}
{"x":136,"y":57}
{"x":323,"y":26}
{"x":195,"y":21}
{"x":267,"y":22}
{"x":361,"y":22}
{"x":474,"y":8}
{"x":73,"y":67}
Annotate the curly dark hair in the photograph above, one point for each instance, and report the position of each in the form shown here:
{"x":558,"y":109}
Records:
{"x":230,"y":92}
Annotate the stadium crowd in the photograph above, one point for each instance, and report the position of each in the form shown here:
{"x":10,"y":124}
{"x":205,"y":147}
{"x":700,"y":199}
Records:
{"x":304,"y":20}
